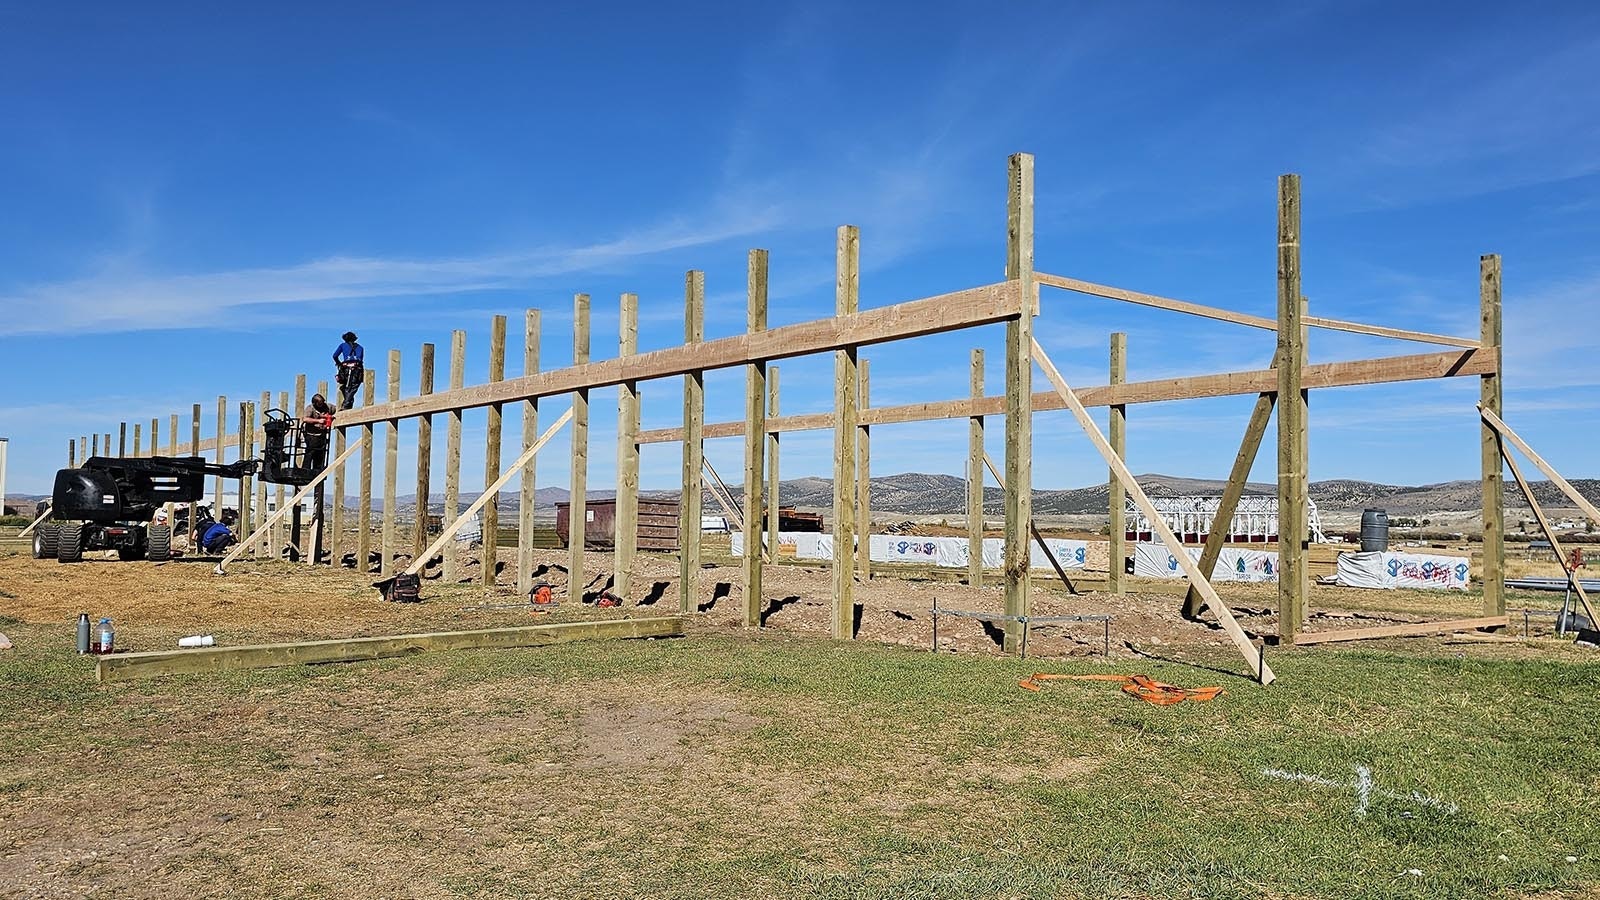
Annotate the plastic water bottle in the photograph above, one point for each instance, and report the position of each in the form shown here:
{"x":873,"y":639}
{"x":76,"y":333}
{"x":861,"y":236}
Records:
{"x":197,"y":640}
{"x":108,"y":635}
{"x":83,"y":632}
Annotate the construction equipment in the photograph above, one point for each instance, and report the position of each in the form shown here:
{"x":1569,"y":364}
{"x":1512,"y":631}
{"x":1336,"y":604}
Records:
{"x":107,"y":502}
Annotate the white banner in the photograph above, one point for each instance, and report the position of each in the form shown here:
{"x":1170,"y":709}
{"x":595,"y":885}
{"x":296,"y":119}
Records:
{"x":1390,"y":570}
{"x":1151,"y":560}
{"x":944,"y":552}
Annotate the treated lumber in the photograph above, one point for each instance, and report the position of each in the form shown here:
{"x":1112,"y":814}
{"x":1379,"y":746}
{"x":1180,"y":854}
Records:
{"x":1417,"y":629}
{"x":986,"y":305}
{"x":773,"y":500}
{"x":1037,"y":537}
{"x":1490,"y":449}
{"x":694,"y":414}
{"x":369,"y":387}
{"x":1117,"y":428}
{"x":391,"y":474}
{"x":124,"y":666}
{"x":35,"y":523}
{"x":578,"y":495}
{"x":755,"y":433}
{"x":846,"y":390}
{"x":1550,"y":472}
{"x":1224,"y":615}
{"x":172,"y":450}
{"x":122,"y":436}
{"x":724,"y":497}
{"x":263,"y":546}
{"x":452,"y":454}
{"x":296,"y":412}
{"x":1238,"y":318}
{"x":864,"y":475}
{"x":419,"y":531}
{"x":194,"y":450}
{"x":528,"y":490}
{"x":1549,"y":533}
{"x":247,"y":450}
{"x":1019,"y":396}
{"x":975,"y":459}
{"x":1293,"y":413}
{"x":282,"y":510}
{"x":626,"y":527}
{"x":137,"y":444}
{"x":491,"y":455}
{"x":449,"y":532}
{"x":336,"y":537}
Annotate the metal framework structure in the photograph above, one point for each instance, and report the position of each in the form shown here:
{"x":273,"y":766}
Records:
{"x":1254,"y":520}
{"x":1013,"y":303}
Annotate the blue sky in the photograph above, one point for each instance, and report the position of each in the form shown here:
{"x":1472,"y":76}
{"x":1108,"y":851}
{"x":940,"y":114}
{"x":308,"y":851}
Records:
{"x":198,"y":199}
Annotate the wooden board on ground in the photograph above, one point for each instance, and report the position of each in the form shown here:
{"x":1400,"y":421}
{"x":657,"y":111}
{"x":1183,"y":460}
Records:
{"x":123,"y":666}
{"x":1417,"y":629}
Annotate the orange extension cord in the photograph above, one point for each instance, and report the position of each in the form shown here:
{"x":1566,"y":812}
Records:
{"x":1141,"y":686}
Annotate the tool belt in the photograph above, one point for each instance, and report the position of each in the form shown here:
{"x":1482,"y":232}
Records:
{"x":350,"y":375}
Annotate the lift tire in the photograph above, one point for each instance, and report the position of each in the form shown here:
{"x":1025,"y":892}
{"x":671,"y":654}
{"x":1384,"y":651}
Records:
{"x":69,"y":544}
{"x":159,"y":543}
{"x":46,"y":539}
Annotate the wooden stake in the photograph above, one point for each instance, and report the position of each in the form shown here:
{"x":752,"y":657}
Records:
{"x":755,"y":433}
{"x":369,"y":389}
{"x":975,"y":457}
{"x":1293,"y":518}
{"x":864,"y":479}
{"x":491,"y":457}
{"x":627,"y":507}
{"x":1494,"y":526}
{"x":391,"y":474}
{"x":527,"y":497}
{"x":1019,"y":396}
{"x":452,"y":455}
{"x":578,"y":500}
{"x":846,"y":390}
{"x":419,"y":537}
{"x":773,"y":498}
{"x":1118,"y":531}
{"x":1224,"y":615}
{"x":694,"y":412}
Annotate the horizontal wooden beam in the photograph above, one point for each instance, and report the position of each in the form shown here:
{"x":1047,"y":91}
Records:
{"x":123,"y":666}
{"x":1238,"y":318}
{"x":1383,"y":370}
{"x":1416,"y":629}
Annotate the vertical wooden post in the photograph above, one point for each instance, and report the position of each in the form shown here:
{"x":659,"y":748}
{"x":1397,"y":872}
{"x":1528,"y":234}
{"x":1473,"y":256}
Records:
{"x":172,"y":450}
{"x":1019,"y":396}
{"x":419,"y":537}
{"x":864,"y":480}
{"x":222,"y":431}
{"x":391,"y":472}
{"x":122,"y":439}
{"x":83,"y":445}
{"x":155,"y":437}
{"x":247,"y":450}
{"x":578,"y":500}
{"x":262,"y":511}
{"x":94,"y":444}
{"x":755,"y":435}
{"x":452,"y":455}
{"x":1494,"y":548}
{"x":975,"y":479}
{"x":137,"y":444}
{"x":528,"y":496}
{"x":318,"y":541}
{"x":280,"y":528}
{"x":773,"y":500}
{"x":369,"y":390}
{"x":1292,"y":413}
{"x":846,"y":389}
{"x":694,"y":410}
{"x":72,"y":453}
{"x":298,"y":410}
{"x":194,"y":450}
{"x":490,"y":516}
{"x":627,"y":522}
{"x":1118,"y":531}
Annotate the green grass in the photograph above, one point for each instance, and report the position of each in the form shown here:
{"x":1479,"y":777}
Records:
{"x":814,"y":769}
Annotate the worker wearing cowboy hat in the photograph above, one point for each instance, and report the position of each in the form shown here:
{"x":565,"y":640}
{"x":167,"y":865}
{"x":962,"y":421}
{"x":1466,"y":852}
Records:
{"x":348,"y":358}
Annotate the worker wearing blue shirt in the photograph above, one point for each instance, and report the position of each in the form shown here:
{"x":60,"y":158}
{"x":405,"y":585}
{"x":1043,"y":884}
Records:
{"x":348,"y":358}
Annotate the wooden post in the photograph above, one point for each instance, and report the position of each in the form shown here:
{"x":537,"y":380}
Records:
{"x":297,"y":411}
{"x":419,"y":537}
{"x":1118,"y":433}
{"x":222,"y":430}
{"x":694,"y":414}
{"x":578,"y":501}
{"x":527,"y":497}
{"x":391,"y":473}
{"x":755,"y":434}
{"x":247,"y":450}
{"x":369,"y":390}
{"x":1494,"y":548}
{"x":846,"y":390}
{"x":136,"y":443}
{"x":864,"y":478}
{"x":1293,"y":583}
{"x":1019,"y":396}
{"x":627,"y":521}
{"x":122,"y":438}
{"x":172,"y":450}
{"x":490,"y":518}
{"x":72,"y":453}
{"x":278,"y":530}
{"x":194,"y":450}
{"x":155,"y":437}
{"x":452,"y":455}
{"x":773,"y":499}
{"x":975,"y":455}
{"x":94,"y":444}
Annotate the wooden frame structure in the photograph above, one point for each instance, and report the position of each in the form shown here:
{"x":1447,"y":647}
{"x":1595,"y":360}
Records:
{"x":1013,"y":303}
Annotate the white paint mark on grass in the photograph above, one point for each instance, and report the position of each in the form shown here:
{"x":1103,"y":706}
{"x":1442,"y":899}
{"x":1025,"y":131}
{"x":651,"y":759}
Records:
{"x":1365,"y":788}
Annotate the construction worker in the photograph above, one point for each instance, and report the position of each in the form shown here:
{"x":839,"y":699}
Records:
{"x":316,"y":424}
{"x":348,"y":357}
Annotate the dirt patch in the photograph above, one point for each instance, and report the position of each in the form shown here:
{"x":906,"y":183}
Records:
{"x":650,"y":734}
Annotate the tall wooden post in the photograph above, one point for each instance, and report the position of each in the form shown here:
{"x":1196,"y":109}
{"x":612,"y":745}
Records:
{"x":419,"y":537}
{"x":391,"y":473}
{"x":336,"y":537}
{"x":72,"y":453}
{"x":222,"y":431}
{"x":247,"y":450}
{"x":1293,"y":447}
{"x":627,"y":524}
{"x":297,"y":411}
{"x":122,"y":439}
{"x":194,"y":450}
{"x":155,"y":437}
{"x":137,"y":446}
{"x":319,"y":504}
{"x":755,"y":435}
{"x":94,"y":444}
{"x":864,"y":480}
{"x":452,"y":455}
{"x":846,"y":389}
{"x":172,"y":450}
{"x":278,"y":528}
{"x":1116,"y":506}
{"x":369,"y":390}
{"x":773,"y":500}
{"x":1489,"y":394}
{"x":975,"y":479}
{"x":1019,"y":396}
{"x":694,"y":415}
{"x":527,"y":497}
{"x":490,"y":517}
{"x":577,"y":520}
{"x":83,"y":445}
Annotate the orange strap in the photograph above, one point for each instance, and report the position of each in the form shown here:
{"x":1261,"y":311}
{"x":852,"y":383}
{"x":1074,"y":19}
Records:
{"x":1141,"y":686}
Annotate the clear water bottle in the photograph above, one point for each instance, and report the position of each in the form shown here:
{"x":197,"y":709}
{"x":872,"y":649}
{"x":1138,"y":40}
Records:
{"x":107,"y":635}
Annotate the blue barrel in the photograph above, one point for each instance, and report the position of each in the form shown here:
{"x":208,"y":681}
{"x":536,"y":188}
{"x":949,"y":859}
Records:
{"x":1374,"y":530}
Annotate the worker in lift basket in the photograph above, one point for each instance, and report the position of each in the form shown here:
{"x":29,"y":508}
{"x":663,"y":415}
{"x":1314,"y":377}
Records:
{"x":348,"y":358}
